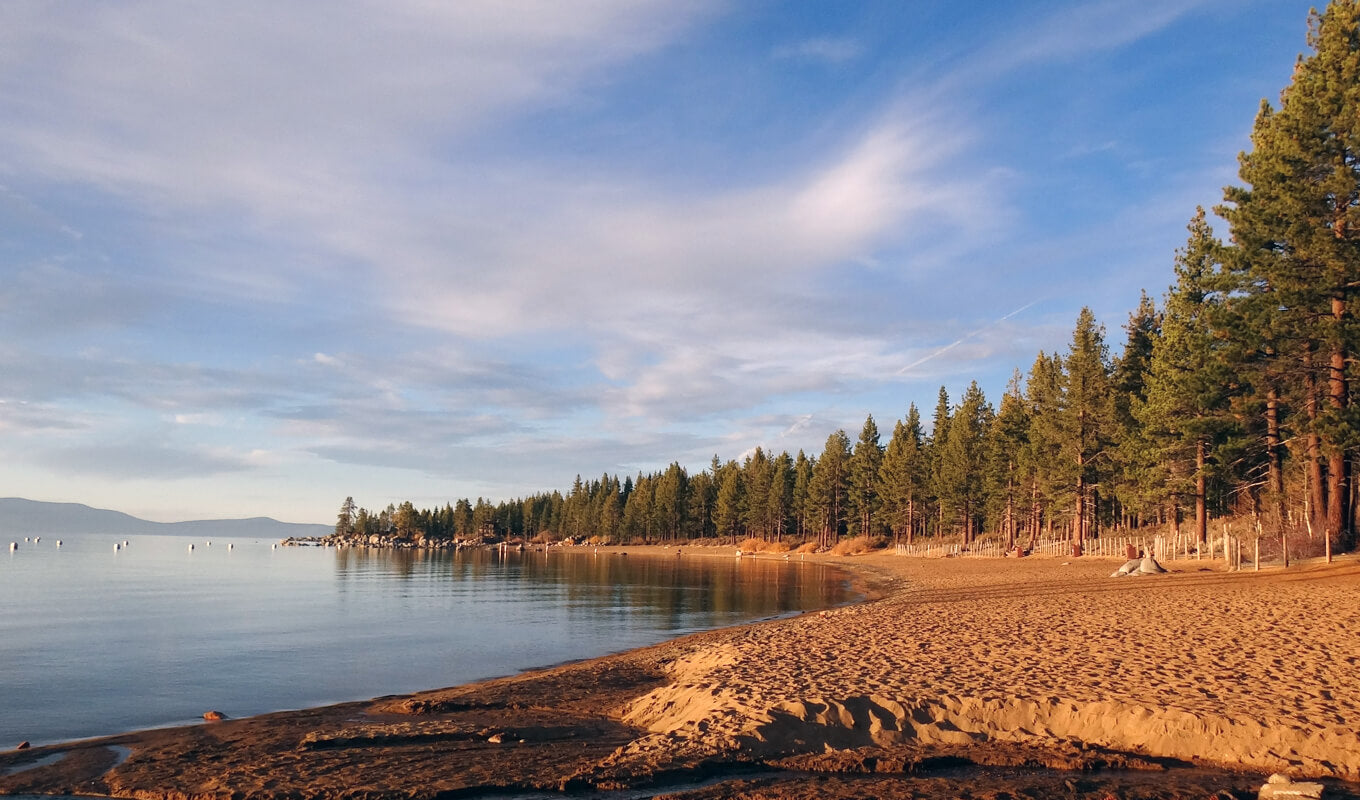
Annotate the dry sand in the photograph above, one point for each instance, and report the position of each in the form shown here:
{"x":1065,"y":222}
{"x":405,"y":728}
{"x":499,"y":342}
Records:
{"x":987,"y":661}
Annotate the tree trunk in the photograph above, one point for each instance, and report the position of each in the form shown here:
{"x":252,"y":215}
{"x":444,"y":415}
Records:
{"x":1201,"y":512}
{"x":1035,"y":514}
{"x":1338,"y":485}
{"x":1316,"y":490}
{"x":1095,"y":513}
{"x":1079,"y":515}
{"x":1010,"y":512}
{"x":1274,"y":454}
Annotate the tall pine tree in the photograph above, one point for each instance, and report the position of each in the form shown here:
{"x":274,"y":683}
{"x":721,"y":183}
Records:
{"x":1298,"y":224}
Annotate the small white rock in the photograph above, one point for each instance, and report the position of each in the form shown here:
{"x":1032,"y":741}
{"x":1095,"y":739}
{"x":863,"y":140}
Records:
{"x":1282,"y":786}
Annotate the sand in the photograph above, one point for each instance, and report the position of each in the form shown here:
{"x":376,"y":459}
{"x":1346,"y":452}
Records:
{"x":1007,"y":662}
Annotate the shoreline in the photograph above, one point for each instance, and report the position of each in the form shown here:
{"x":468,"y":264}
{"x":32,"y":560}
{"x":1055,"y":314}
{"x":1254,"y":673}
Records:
{"x":1005,"y":662}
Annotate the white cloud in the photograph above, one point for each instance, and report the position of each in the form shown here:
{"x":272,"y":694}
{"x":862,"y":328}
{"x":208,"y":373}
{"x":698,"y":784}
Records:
{"x":287,"y":118}
{"x":826,"y":49}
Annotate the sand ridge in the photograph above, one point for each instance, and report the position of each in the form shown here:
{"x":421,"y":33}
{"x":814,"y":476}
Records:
{"x":1245,"y":669}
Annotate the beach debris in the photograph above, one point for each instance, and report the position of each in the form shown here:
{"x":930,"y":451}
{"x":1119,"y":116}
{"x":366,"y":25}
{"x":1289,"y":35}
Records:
{"x":13,"y":546}
{"x":214,"y":716}
{"x":1279,"y":785}
{"x":24,"y":745}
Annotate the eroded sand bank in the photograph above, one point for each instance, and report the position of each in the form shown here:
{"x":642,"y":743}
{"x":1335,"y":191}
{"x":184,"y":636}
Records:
{"x":994,"y":661}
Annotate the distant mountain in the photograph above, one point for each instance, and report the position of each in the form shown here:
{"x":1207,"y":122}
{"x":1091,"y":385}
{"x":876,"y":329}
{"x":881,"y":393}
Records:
{"x":20,"y":517}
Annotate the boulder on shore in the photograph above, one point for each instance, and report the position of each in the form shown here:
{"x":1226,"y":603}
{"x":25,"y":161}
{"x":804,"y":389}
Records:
{"x":213,"y":716}
{"x":1146,"y":565}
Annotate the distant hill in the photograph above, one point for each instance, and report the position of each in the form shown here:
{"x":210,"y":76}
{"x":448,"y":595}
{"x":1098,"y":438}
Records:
{"x":20,"y":517}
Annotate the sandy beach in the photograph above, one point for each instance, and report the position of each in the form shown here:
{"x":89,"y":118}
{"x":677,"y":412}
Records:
{"x":1174,"y":685}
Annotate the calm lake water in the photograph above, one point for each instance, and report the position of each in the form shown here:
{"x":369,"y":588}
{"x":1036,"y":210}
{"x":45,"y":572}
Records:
{"x":97,"y":641}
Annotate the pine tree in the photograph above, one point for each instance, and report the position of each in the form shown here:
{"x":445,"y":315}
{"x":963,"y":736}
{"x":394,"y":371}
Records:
{"x":863,"y":476}
{"x":779,"y":500}
{"x":462,"y":518}
{"x":939,"y":433}
{"x":638,"y":512}
{"x":900,"y":476}
{"x":962,"y":462}
{"x":827,"y":489}
{"x":1189,"y":382}
{"x":727,"y":509}
{"x":1043,"y":467}
{"x":1086,"y":416}
{"x":1298,"y":226}
{"x":802,"y":479}
{"x":703,"y":494}
{"x":1006,"y":441}
{"x":755,"y":481}
{"x":670,"y":500}
{"x":1137,"y":489}
{"x":344,"y":522}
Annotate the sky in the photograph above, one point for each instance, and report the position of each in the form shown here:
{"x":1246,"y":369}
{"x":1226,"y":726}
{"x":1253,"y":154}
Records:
{"x":256,"y":257}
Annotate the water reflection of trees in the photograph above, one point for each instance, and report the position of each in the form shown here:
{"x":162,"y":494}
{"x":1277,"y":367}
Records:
{"x":682,"y":592}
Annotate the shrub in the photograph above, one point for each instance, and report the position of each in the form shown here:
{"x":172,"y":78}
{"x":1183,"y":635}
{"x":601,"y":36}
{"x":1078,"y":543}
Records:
{"x":857,"y":545}
{"x":754,"y":545}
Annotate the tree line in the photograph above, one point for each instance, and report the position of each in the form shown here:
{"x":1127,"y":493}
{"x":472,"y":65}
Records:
{"x":1235,"y":394}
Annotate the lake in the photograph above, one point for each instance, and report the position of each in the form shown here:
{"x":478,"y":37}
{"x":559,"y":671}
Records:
{"x":96,"y":640}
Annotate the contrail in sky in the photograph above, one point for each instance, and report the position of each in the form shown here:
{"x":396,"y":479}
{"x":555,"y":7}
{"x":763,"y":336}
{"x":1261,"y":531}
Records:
{"x":923,"y":359}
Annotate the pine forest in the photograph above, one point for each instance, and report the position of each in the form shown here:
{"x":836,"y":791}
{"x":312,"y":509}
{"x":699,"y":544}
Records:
{"x":1232,"y":396}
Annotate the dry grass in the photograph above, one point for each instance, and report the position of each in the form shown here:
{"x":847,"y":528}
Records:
{"x":857,"y":545}
{"x":754,"y":545}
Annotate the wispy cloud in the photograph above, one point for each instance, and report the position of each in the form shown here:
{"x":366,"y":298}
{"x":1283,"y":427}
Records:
{"x":973,"y":334}
{"x":821,"y":49}
{"x":143,"y":460}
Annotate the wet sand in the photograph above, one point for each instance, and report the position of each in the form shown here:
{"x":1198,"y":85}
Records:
{"x":1176,"y":685}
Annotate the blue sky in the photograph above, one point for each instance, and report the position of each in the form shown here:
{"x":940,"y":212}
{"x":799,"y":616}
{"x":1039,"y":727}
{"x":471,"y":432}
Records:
{"x":255,"y":257}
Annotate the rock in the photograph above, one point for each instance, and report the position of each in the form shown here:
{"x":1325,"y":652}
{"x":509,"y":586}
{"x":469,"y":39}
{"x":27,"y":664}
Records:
{"x":1282,"y":786}
{"x":23,"y":745}
{"x":1149,"y":566}
{"x":496,"y":738}
{"x":213,"y":716}
{"x":1146,"y":565}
